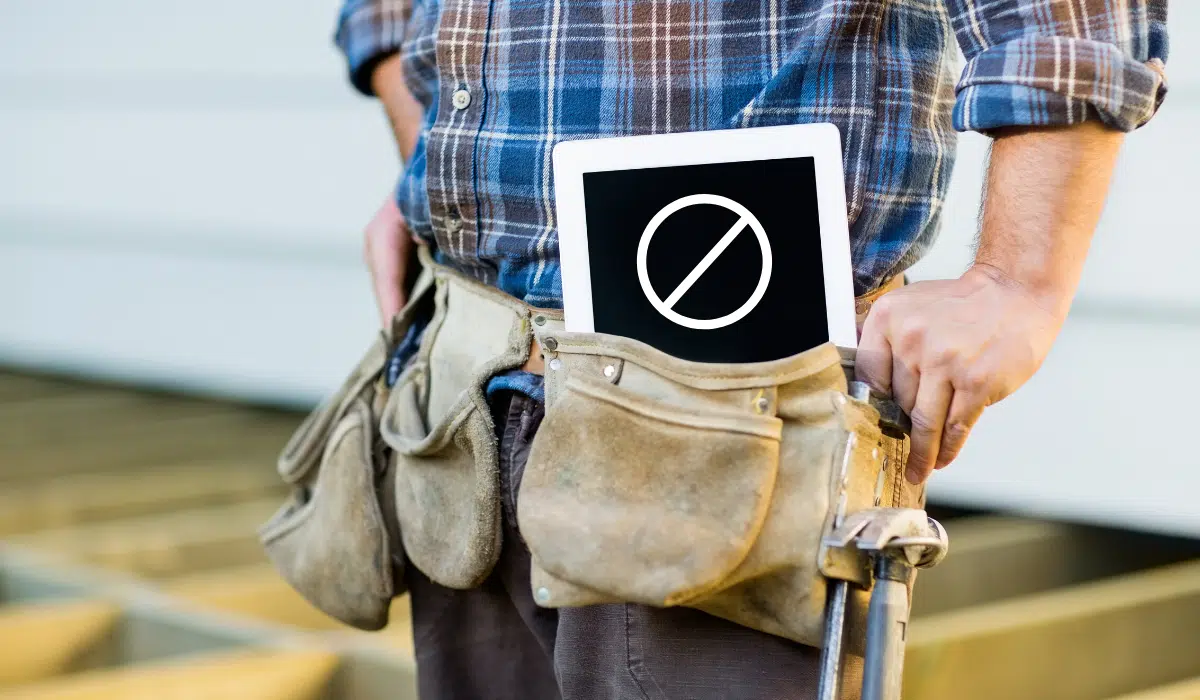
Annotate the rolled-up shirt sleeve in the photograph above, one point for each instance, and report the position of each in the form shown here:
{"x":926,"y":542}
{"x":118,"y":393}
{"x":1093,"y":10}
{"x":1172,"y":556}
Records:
{"x":1056,"y":62}
{"x":367,"y":32}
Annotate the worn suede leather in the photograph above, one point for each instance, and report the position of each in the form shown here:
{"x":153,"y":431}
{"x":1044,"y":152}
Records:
{"x":626,"y":493}
{"x":667,"y":482}
{"x":331,"y":541}
{"x":439,"y":426}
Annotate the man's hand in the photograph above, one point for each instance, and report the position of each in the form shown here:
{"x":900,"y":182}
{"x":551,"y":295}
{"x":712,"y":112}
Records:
{"x":387,"y":251}
{"x":945,"y":350}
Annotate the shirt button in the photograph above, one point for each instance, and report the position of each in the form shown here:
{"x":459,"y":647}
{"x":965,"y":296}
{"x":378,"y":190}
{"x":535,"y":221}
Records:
{"x":461,"y":99}
{"x":453,"y":222}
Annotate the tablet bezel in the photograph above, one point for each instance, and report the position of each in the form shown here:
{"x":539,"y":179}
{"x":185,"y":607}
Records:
{"x":822,"y":142}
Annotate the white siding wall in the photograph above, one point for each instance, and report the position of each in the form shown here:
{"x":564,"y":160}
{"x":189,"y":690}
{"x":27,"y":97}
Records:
{"x":182,"y":187}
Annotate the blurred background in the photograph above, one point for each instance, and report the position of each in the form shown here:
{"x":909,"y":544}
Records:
{"x":182,"y":189}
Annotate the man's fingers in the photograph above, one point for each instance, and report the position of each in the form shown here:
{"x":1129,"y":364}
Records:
{"x":387,"y":252}
{"x":388,"y":278}
{"x":928,"y":415}
{"x":905,"y":382}
{"x":965,"y":410}
{"x":873,"y":359}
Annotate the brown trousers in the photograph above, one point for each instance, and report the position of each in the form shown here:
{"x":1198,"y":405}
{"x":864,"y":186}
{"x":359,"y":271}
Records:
{"x":495,"y":643}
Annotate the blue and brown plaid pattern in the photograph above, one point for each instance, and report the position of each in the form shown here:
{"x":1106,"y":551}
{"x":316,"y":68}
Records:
{"x":537,"y":72}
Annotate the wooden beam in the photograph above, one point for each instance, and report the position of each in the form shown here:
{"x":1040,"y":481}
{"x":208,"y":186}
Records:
{"x":164,"y":545}
{"x":257,"y":591}
{"x":1089,"y":641}
{"x":43,"y":640}
{"x":19,"y":387}
{"x":246,"y":675}
{"x":1187,"y":690}
{"x":145,"y":444}
{"x":84,"y":498}
{"x":98,"y":413}
{"x":997,"y":558}
{"x":254,"y":591}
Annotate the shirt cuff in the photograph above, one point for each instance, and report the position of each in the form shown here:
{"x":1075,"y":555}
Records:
{"x":369,"y":31}
{"x":1051,"y":81}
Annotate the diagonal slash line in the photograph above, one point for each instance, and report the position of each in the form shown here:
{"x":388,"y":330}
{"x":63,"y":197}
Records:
{"x":705,"y":263}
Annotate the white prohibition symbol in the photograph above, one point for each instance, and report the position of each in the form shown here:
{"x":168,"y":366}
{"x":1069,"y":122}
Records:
{"x":745,"y":218}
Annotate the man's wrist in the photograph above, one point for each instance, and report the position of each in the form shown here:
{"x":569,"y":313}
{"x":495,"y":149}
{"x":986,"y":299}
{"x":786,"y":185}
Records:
{"x":1054,"y":296}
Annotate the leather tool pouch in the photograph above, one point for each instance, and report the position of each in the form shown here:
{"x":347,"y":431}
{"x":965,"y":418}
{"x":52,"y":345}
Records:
{"x":335,"y":539}
{"x":443,"y":475}
{"x":665,"y":482}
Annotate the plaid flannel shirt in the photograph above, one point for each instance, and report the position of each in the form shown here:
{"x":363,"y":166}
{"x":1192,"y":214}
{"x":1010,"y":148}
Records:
{"x":503,"y":80}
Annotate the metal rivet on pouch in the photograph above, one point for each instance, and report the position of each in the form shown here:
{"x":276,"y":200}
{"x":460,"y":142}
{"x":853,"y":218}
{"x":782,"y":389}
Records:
{"x":556,"y":364}
{"x":762,"y":404}
{"x":550,"y":344}
{"x":609,"y":371}
{"x":543,"y":595}
{"x":540,"y":320}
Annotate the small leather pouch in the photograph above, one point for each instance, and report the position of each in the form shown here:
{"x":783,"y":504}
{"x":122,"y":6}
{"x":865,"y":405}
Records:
{"x":332,"y":540}
{"x":665,"y":482}
{"x":443,"y":476}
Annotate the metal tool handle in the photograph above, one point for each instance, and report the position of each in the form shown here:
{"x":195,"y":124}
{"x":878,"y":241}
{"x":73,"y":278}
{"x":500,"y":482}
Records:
{"x":830,"y":687}
{"x":887,"y":627}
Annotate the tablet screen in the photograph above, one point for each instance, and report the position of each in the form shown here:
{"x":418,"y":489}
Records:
{"x":716,"y":262}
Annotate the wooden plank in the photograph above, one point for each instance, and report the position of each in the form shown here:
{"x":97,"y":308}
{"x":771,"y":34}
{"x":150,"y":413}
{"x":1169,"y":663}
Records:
{"x":1088,"y":641}
{"x":19,"y":387}
{"x":996,"y":558}
{"x":46,"y":639}
{"x":257,"y":591}
{"x":142,"y":445}
{"x":85,"y":404}
{"x":254,"y":591}
{"x":1187,"y":690}
{"x":83,"y":498}
{"x":163,"y":545}
{"x":99,"y":412}
{"x":246,"y":675}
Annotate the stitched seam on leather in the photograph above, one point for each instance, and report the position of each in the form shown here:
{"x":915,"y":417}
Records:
{"x":898,"y":484}
{"x":699,"y":380}
{"x":767,"y":427}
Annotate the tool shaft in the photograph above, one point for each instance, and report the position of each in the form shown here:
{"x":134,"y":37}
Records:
{"x":887,"y":627}
{"x":835,"y":631}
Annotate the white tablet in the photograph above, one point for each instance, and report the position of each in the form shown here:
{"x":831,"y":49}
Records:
{"x":715,"y":246}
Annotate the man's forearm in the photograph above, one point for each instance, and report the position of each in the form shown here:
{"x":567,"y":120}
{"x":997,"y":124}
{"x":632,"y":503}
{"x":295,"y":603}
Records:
{"x":388,"y":247}
{"x":1045,"y":191}
{"x":947,"y":349}
{"x":403,"y":111}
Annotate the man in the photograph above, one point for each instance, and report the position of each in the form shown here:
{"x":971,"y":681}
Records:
{"x":479,"y":91}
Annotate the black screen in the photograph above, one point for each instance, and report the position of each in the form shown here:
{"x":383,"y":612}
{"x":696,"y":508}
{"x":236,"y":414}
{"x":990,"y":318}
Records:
{"x":781,"y":194}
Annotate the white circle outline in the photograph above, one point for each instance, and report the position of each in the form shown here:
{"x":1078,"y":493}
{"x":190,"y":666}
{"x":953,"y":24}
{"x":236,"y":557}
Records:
{"x":763,"y":280}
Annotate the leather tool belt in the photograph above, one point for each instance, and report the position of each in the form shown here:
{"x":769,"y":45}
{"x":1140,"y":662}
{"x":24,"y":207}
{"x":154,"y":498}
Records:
{"x":652,"y":479}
